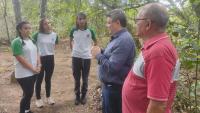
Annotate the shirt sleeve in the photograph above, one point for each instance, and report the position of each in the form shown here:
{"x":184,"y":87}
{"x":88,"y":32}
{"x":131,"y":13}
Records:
{"x":93,"y":35}
{"x":159,"y":75}
{"x":118,"y":58}
{"x":57,"y":39}
{"x":34,"y":37}
{"x":71,"y":33}
{"x":16,"y":47}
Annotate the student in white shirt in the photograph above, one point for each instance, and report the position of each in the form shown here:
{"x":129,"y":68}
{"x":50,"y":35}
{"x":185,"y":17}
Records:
{"x":82,"y":39}
{"x":27,"y":63}
{"x":45,"y":40}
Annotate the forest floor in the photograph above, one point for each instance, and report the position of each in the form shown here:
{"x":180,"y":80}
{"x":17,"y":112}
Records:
{"x":62,"y":85}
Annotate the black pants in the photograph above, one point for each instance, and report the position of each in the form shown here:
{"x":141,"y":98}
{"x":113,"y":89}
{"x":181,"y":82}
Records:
{"x":47,"y":70}
{"x":27,"y":85}
{"x":81,"y":68}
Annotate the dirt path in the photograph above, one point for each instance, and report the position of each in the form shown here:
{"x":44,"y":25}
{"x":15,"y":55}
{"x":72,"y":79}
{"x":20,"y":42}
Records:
{"x":62,"y":86}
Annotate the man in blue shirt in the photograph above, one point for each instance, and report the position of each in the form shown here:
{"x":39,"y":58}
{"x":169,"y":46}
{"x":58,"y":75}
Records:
{"x":115,"y":61}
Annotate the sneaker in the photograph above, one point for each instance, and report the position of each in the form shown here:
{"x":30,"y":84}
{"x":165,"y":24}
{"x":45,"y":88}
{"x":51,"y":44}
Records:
{"x":39,"y":103}
{"x":28,"y":111}
{"x":50,"y":101}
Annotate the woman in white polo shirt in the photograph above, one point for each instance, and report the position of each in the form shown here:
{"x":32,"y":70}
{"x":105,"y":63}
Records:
{"x":82,"y":39}
{"x":27,"y":64}
{"x":45,"y":40}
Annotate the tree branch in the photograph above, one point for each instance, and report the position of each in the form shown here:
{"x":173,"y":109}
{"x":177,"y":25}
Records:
{"x":135,"y":6}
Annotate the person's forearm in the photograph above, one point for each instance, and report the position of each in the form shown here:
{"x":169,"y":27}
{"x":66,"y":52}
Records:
{"x":155,"y":110}
{"x":24,"y":63}
{"x":70,"y":44}
{"x":106,"y":63}
{"x":156,"y":107}
{"x":56,"y":46}
{"x":38,"y":60}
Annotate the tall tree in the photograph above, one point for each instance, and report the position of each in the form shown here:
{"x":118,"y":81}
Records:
{"x":43,"y":8}
{"x":17,"y":10}
{"x":4,"y":5}
{"x":18,"y":18}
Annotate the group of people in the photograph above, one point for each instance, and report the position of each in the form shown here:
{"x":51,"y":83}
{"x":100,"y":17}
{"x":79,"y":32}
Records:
{"x":147,"y":86}
{"x":34,"y":59}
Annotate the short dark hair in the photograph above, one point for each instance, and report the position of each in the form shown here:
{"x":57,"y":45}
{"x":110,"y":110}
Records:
{"x":157,"y":13}
{"x":83,"y":15}
{"x":41,"y":26}
{"x":118,"y":14}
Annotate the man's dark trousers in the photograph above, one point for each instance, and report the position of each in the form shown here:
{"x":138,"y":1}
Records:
{"x":112,"y":100}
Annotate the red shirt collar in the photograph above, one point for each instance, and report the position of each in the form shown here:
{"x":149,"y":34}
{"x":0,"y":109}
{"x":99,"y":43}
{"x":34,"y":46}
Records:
{"x":154,"y":39}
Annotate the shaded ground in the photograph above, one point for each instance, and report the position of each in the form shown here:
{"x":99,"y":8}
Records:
{"x":62,"y":86}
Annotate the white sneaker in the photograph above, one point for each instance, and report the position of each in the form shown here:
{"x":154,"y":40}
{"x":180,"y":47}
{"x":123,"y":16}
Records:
{"x":50,"y":101}
{"x":39,"y":103}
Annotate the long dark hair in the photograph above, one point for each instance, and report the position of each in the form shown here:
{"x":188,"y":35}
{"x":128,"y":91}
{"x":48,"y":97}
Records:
{"x":19,"y":27}
{"x":41,"y":26}
{"x":83,"y":15}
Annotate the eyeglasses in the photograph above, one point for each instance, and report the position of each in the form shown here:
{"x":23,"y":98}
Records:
{"x":137,"y":19}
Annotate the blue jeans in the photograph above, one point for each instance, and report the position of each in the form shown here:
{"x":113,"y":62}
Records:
{"x":112,"y":98}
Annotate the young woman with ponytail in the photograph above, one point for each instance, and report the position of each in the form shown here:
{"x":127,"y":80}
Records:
{"x":27,"y":63}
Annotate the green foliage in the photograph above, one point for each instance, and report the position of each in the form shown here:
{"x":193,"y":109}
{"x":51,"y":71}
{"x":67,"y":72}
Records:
{"x":196,"y":6}
{"x":31,"y":13}
{"x":184,"y":28}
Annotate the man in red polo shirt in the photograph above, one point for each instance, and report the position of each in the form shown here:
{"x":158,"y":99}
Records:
{"x":150,"y":86}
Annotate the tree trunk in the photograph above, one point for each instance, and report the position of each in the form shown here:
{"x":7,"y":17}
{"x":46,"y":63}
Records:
{"x":18,"y":18}
{"x":43,"y":8}
{"x":17,"y":10}
{"x":5,"y":19}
